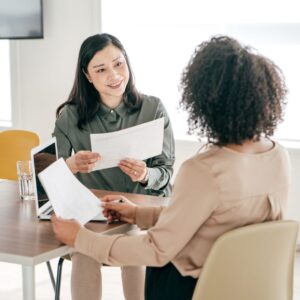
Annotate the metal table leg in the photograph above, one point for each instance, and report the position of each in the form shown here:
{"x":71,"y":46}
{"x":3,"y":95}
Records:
{"x":28,"y":277}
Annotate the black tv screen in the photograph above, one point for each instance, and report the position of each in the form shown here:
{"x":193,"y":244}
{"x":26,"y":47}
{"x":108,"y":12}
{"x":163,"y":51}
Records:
{"x":21,"y":19}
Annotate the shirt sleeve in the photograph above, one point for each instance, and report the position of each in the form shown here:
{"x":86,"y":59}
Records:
{"x":160,"y":168}
{"x":64,"y":146}
{"x":194,"y":198}
{"x":147,"y":216}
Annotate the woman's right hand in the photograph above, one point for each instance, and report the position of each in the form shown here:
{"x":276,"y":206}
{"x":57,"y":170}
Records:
{"x":83,"y":161}
{"x":118,"y":207}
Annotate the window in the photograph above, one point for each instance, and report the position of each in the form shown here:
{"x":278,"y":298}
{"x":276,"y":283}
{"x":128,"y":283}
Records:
{"x":5,"y":88}
{"x":160,"y":37}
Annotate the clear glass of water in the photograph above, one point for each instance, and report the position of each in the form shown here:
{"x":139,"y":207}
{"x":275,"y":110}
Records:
{"x":24,"y":171}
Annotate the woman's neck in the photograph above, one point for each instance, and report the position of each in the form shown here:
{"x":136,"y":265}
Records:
{"x":252,"y":147}
{"x":112,"y":102}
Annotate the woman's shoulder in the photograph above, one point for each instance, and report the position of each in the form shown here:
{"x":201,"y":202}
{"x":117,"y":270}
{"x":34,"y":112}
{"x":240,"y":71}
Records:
{"x":198,"y":159}
{"x":150,"y":100}
{"x":155,"y":105}
{"x":68,"y":113}
{"x":204,"y":158}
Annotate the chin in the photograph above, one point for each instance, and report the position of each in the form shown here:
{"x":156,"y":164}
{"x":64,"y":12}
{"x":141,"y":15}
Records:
{"x":119,"y":92}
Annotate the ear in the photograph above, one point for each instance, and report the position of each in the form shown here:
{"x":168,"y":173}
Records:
{"x":87,"y":76}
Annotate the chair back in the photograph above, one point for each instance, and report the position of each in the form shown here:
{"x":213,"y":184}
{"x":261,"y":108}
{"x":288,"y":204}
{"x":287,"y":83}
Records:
{"x":15,"y":145}
{"x":251,"y":262}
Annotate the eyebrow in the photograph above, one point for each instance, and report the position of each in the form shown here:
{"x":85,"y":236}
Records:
{"x":101,"y":65}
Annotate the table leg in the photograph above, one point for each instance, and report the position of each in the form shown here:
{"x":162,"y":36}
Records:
{"x":28,"y":278}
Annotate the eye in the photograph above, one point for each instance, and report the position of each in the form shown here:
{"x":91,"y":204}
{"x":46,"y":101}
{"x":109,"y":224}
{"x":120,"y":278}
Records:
{"x":100,"y":70}
{"x":119,"y":64}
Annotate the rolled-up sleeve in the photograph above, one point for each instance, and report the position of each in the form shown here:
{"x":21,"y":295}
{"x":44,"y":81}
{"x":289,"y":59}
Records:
{"x":160,"y":168}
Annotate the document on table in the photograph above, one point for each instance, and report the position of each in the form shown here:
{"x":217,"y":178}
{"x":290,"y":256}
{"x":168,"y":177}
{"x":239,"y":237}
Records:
{"x":139,"y":142}
{"x":69,"y":197}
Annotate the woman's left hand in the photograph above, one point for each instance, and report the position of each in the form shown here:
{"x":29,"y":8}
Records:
{"x":135,"y":169}
{"x":65,"y":230}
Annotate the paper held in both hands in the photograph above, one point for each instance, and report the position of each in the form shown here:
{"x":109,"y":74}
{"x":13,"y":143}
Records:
{"x":70,"y":198}
{"x":139,"y":142}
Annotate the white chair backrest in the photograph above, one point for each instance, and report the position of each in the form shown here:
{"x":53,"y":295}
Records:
{"x":254,"y":262}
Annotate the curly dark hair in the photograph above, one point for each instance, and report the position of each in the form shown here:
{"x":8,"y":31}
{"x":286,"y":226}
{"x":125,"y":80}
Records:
{"x":231,"y":93}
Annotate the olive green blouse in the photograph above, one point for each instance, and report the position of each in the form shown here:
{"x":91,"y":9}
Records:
{"x":160,"y":168}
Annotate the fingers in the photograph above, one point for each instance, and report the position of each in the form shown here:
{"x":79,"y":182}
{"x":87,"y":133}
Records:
{"x":82,"y":161}
{"x":53,"y":218}
{"x":86,"y":161}
{"x":58,"y":220}
{"x":87,"y":156}
{"x":107,"y":212}
{"x":65,"y":230}
{"x":136,"y":169}
{"x":113,"y":206}
{"x":109,"y":198}
{"x":133,"y":163}
{"x":113,"y":209}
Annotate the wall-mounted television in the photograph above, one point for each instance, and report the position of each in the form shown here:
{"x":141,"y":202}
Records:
{"x":21,"y":19}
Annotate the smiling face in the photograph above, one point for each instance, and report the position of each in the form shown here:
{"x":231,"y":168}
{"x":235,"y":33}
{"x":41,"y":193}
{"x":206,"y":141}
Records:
{"x":109,"y":73}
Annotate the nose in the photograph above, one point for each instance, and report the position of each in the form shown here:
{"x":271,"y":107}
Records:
{"x":112,"y":74}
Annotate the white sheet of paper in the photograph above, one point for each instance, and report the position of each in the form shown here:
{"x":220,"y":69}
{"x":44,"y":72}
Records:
{"x":69,"y":197}
{"x":139,"y":142}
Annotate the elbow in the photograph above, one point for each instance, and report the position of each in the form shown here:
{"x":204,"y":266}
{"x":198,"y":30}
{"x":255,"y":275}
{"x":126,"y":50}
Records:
{"x":161,"y":255}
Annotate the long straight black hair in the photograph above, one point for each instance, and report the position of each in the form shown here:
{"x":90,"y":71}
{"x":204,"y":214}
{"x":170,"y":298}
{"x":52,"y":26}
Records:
{"x":83,"y":94}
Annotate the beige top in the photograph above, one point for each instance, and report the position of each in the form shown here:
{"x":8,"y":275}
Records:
{"x":215,"y":191}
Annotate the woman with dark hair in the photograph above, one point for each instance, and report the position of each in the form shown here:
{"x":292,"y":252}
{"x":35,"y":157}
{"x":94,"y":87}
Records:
{"x":235,"y":98}
{"x":105,"y":99}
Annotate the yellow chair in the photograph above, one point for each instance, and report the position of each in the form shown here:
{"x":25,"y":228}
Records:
{"x":254,"y":262}
{"x":15,"y":145}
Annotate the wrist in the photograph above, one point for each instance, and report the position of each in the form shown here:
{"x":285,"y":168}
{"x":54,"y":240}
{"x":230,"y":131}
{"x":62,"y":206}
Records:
{"x":134,"y":215}
{"x":72,"y":165}
{"x":146,"y":178}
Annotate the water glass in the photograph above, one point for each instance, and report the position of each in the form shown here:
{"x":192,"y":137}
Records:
{"x":24,"y":171}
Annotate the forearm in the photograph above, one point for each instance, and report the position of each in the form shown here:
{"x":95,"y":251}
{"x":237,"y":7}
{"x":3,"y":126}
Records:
{"x":113,"y":249}
{"x":147,"y":216}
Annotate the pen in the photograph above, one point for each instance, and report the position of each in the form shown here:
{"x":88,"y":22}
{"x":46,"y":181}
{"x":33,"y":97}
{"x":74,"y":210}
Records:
{"x":117,"y":201}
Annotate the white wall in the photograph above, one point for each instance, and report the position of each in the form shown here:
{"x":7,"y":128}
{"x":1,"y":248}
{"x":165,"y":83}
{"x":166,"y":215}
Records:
{"x":43,"y":72}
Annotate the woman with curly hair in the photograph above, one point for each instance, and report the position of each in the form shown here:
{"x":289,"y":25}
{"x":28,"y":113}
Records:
{"x":235,"y":98}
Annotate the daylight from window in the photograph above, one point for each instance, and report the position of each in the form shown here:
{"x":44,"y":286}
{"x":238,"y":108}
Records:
{"x":160,"y":37}
{"x":5,"y":94}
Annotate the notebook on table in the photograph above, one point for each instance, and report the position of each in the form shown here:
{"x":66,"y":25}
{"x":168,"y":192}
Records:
{"x":42,"y":156}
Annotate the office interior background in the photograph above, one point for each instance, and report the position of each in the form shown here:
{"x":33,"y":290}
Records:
{"x":36,"y":75}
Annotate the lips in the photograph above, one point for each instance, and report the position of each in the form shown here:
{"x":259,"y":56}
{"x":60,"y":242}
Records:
{"x":115,"y":85}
